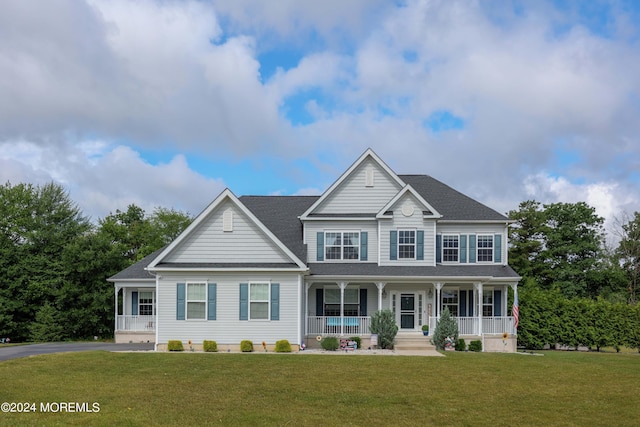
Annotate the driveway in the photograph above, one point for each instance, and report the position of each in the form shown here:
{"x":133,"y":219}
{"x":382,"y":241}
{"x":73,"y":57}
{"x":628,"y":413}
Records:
{"x":14,"y":352}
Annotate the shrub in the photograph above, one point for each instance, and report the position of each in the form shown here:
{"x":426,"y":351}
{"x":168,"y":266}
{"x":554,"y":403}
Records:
{"x":384,"y":324}
{"x":447,"y":327}
{"x":330,"y":343}
{"x":246,"y":346}
{"x":283,"y":346}
{"x":475,"y":345}
{"x":357,"y":340}
{"x":461,"y":345}
{"x":175,"y":345}
{"x":209,"y":346}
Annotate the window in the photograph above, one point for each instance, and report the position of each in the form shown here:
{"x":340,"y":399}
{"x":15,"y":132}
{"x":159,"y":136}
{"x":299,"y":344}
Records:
{"x":342,"y":245}
{"x":487,"y":303}
{"x":332,"y":302}
{"x":259,"y":301}
{"x":145,"y":303}
{"x":406,"y":244}
{"x":196,"y":300}
{"x":485,"y":248}
{"x":450,"y":301}
{"x":450,"y":247}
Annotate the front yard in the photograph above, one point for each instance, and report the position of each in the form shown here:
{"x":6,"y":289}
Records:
{"x":559,"y":388}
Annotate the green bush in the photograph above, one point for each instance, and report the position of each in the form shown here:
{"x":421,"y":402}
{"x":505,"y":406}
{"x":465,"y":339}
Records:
{"x":283,"y":346}
{"x":246,"y":346}
{"x":330,"y":343}
{"x":175,"y":345}
{"x":357,"y":340}
{"x":447,"y":327}
{"x":209,"y":346}
{"x":461,"y":345}
{"x":384,"y":324}
{"x":475,"y":345}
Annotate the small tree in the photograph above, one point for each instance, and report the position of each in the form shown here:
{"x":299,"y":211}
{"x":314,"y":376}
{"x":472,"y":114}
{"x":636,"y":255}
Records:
{"x":447,"y":327}
{"x":383,"y":323}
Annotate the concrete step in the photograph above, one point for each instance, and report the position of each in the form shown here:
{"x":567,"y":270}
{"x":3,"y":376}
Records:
{"x":413,"y":342}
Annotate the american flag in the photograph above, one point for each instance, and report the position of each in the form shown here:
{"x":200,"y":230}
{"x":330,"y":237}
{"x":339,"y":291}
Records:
{"x":515,"y":312}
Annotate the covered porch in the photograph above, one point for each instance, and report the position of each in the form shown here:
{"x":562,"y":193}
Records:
{"x":342,"y":308}
{"x":135,"y":313}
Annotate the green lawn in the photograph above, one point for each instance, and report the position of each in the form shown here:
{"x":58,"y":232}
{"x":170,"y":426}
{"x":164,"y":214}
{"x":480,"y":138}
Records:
{"x":559,"y":388}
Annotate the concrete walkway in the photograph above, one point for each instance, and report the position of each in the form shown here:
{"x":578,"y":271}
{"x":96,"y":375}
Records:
{"x":14,"y":352}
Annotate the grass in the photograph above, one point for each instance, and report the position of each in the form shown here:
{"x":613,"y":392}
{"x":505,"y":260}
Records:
{"x":559,"y":388}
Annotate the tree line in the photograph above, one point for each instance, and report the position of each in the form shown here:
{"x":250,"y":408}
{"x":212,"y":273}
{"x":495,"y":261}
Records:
{"x":54,"y":261}
{"x":575,"y":289}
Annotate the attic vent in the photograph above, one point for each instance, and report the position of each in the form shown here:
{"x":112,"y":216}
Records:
{"x":227,"y":221}
{"x":369,"y":177}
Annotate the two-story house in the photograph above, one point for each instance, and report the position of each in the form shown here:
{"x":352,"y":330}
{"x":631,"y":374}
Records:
{"x":266,"y":268}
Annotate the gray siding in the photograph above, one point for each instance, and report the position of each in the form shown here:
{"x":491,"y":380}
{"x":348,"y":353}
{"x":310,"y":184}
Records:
{"x":312,"y":228}
{"x":227,"y":328}
{"x":353,"y":195}
{"x":209,"y":243}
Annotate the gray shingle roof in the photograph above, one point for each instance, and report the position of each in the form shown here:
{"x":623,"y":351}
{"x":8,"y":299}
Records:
{"x":372,"y":269}
{"x":137,"y":271}
{"x":450,"y":203}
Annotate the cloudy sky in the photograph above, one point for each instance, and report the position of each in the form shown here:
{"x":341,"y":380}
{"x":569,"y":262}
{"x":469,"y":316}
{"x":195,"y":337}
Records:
{"x":166,"y":103}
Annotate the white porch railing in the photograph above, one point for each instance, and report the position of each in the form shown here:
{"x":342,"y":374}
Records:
{"x":490,"y":325}
{"x":335,"y":325}
{"x":135,"y":323}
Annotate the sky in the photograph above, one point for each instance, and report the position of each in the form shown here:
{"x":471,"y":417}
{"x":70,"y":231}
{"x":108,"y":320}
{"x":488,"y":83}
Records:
{"x":166,"y":103}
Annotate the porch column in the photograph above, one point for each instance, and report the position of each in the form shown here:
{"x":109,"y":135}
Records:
{"x":115,"y":302}
{"x":380,"y":286}
{"x":342,"y":285}
{"x":438,"y":303}
{"x":478,"y":287}
{"x":307,"y":285}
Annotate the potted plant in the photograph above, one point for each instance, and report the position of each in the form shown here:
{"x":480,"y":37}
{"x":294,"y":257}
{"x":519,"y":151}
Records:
{"x":425,"y":330}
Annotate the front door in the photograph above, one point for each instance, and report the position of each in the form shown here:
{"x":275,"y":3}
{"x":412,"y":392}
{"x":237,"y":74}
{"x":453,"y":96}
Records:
{"x":407,"y":311}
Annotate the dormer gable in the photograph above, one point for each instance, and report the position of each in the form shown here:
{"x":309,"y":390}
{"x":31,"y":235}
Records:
{"x":408,"y":200}
{"x":361,"y":190}
{"x":226,"y":234}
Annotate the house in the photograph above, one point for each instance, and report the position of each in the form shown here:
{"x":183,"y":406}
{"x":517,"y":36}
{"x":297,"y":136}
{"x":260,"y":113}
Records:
{"x":266,"y":268}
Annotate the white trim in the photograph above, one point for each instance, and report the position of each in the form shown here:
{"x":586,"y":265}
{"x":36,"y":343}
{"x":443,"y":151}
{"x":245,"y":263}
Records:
{"x":225,"y":195}
{"x":415,"y":245}
{"x":493,"y":249}
{"x":400,"y":194}
{"x":442,"y":248}
{"x":186,"y":299}
{"x":342,"y":246}
{"x":260,"y":282}
{"x":369,"y":153}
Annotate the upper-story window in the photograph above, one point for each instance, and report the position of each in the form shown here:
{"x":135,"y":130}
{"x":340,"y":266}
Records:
{"x":342,"y":245}
{"x":406,"y":244}
{"x":485,"y":248}
{"x":450,"y":248}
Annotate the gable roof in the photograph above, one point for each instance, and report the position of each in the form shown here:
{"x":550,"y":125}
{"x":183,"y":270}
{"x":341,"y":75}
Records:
{"x":433,"y":213}
{"x":224,"y":196}
{"x":368,"y":154}
{"x":450,"y":203}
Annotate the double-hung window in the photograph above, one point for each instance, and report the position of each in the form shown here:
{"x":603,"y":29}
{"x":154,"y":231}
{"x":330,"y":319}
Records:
{"x":487,"y":303}
{"x":145,"y":303}
{"x":485,"y":248}
{"x":406,"y":244}
{"x":342,"y":245}
{"x":259,"y":301}
{"x":450,"y":248}
{"x":196,"y":300}
{"x":450,"y":301}
{"x":332,"y":302}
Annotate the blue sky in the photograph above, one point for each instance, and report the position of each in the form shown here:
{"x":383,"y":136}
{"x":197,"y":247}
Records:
{"x":166,"y":103}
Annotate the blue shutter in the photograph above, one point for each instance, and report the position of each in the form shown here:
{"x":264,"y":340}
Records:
{"x":363,"y":302}
{"x":244,"y":301}
{"x":497,"y":248}
{"x":472,"y":248}
{"x":463,"y":248}
{"x":180,"y":299}
{"x":134,"y":303}
{"x":364,"y":246}
{"x":420,"y":244}
{"x":438,"y":248}
{"x":211,"y":301}
{"x":462,"y":306}
{"x":497,"y":302}
{"x":471,"y":306}
{"x":320,"y":246}
{"x":393,"y":245}
{"x":319,"y":302}
{"x":275,"y":301}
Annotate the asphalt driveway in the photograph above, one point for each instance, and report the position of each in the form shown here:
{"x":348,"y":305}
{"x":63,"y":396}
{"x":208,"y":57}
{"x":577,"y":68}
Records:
{"x":14,"y":352}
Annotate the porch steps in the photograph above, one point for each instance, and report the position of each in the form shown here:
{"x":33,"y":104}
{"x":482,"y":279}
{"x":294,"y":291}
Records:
{"x":413,"y":342}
